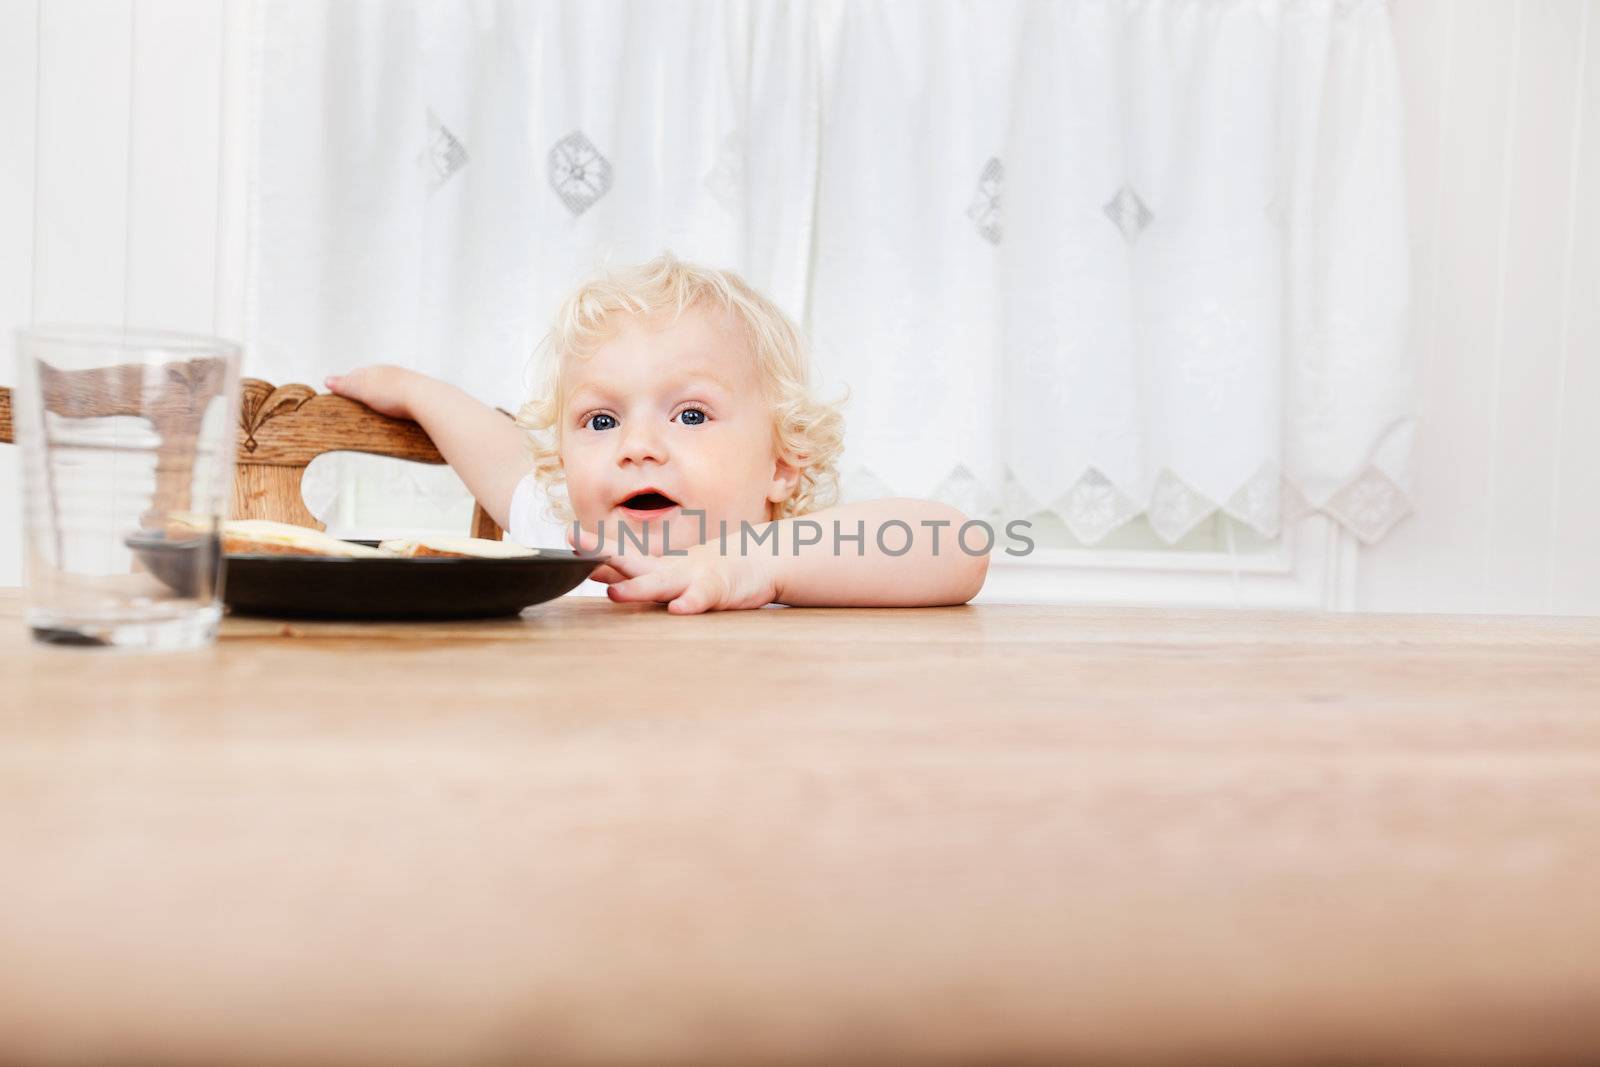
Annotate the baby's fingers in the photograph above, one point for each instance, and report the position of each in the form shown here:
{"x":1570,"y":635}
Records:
{"x":658,"y":585}
{"x":623,"y":564}
{"x":346,"y":385}
{"x":381,"y":387}
{"x":702,"y":594}
{"x":607,"y":573}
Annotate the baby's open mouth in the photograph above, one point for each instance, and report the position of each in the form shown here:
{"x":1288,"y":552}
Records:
{"x":648,"y":502}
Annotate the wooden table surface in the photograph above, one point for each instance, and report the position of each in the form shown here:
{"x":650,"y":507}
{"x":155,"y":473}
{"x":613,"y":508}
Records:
{"x":602,"y":835}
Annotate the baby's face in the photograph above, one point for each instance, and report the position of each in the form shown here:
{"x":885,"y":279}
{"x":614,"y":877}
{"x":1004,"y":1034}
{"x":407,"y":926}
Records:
{"x":677,"y":407}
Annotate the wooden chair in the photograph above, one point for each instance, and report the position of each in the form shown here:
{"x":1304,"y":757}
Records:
{"x":281,"y":430}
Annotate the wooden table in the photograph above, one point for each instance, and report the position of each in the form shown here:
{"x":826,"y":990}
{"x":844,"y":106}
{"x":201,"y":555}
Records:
{"x":598,"y":835}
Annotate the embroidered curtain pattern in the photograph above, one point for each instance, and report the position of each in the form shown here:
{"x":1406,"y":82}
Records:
{"x":1105,"y":258}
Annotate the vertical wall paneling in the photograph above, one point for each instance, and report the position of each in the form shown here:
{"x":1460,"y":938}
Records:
{"x":80,"y":203}
{"x":1425,"y":35}
{"x":1434,"y":561}
{"x":236,"y":89}
{"x":84,"y":64}
{"x":173,"y":176}
{"x":1503,"y":145}
{"x":19,"y":72}
{"x":1538,"y":215}
{"x":1574,"y":520}
{"x":1502,"y":242}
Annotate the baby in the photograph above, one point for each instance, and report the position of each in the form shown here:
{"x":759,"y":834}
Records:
{"x":675,"y":431}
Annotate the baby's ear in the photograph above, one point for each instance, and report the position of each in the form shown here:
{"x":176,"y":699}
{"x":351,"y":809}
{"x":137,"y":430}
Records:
{"x":785,"y":476}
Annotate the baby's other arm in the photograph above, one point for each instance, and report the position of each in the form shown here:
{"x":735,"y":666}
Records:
{"x":934,"y":570}
{"x":489,"y":451}
{"x":795,"y":561}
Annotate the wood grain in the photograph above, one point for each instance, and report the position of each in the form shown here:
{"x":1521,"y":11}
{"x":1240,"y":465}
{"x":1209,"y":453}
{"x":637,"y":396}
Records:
{"x":272,"y":492}
{"x":599,"y":834}
{"x":291,"y":425}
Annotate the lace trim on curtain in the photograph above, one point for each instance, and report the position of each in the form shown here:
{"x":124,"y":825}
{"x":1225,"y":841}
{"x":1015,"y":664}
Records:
{"x":1368,"y":504}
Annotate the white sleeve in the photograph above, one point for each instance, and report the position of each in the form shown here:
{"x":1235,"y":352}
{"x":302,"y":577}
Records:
{"x":528,"y":529}
{"x":523,"y":501}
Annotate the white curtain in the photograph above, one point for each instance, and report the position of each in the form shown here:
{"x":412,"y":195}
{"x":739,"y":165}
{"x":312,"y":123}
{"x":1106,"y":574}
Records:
{"x":1099,"y":257}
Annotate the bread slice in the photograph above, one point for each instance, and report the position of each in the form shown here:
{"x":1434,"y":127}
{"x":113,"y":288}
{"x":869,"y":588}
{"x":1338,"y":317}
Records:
{"x":188,"y":523}
{"x":264,"y":537}
{"x":457,"y":548}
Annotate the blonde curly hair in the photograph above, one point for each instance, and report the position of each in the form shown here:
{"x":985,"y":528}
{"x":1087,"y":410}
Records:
{"x":808,"y":432}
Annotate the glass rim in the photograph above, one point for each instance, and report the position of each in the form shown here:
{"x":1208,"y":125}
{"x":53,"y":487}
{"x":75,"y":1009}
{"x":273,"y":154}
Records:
{"x":86,"y":336}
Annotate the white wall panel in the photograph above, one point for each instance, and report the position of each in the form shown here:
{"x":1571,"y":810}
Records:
{"x":19,"y":31}
{"x":1424,"y":40}
{"x":127,"y":99}
{"x":1449,"y":533}
{"x":1536,"y":215}
{"x":85,"y":63}
{"x":1501,"y":102}
{"x":19,"y":27}
{"x":1573,"y":527}
{"x":172,"y":268}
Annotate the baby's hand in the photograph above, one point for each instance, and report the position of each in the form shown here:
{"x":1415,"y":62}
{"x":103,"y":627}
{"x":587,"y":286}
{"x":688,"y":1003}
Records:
{"x":383,"y":388}
{"x":703,"y":579}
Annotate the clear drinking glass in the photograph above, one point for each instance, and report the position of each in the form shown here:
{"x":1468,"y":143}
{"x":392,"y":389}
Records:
{"x":127,"y":441}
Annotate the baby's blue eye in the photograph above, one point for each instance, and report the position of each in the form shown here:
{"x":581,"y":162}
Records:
{"x":693,"y":411}
{"x":594,"y":419}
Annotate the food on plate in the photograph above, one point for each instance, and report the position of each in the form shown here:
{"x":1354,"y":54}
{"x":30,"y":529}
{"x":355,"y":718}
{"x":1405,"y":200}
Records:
{"x":264,"y":537}
{"x":457,"y":547}
{"x":188,"y":523}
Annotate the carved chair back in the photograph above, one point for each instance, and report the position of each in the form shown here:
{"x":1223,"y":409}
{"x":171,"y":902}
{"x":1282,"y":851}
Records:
{"x":281,"y":430}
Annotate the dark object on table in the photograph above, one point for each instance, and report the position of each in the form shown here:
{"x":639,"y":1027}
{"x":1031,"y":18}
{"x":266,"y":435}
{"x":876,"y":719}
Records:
{"x":330,"y":587}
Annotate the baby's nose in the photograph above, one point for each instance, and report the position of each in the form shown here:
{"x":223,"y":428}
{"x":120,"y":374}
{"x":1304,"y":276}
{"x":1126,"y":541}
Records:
{"x":643,"y":441}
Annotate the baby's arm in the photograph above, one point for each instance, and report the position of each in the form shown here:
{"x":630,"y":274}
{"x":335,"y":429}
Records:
{"x":818,"y":575}
{"x":488,"y":450}
{"x":794,"y":561}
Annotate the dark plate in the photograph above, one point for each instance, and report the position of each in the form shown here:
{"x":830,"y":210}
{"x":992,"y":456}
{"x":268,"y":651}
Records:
{"x":330,"y":587}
